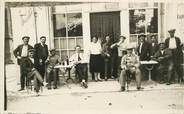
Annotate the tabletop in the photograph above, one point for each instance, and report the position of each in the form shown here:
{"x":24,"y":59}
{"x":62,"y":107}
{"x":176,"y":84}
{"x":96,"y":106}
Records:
{"x":63,"y":66}
{"x":148,"y":62}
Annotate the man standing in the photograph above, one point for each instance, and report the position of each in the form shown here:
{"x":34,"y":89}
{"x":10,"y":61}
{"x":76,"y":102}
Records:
{"x":143,"y":53}
{"x":20,"y":53}
{"x":130,"y":66}
{"x":174,"y":44}
{"x":41,"y":54}
{"x":154,"y":47}
{"x":114,"y":59}
{"x":79,"y":60}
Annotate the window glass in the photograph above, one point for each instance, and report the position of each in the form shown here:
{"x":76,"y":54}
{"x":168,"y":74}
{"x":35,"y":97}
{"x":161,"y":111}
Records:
{"x":59,"y":25}
{"x":152,"y":20}
{"x":137,"y":21}
{"x":74,"y":24}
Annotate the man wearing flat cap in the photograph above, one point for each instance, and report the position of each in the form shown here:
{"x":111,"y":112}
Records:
{"x":130,"y":66}
{"x":41,"y":54}
{"x":174,"y":44}
{"x":52,"y":73}
{"x":22,"y":52}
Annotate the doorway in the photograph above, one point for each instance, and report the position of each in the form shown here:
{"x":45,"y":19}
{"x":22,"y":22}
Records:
{"x":105,"y":23}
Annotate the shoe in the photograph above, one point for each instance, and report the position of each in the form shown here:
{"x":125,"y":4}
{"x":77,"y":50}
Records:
{"x":55,"y":87}
{"x":168,"y":83}
{"x":139,"y":88}
{"x":122,"y":88}
{"x":48,"y":88}
{"x":21,"y":89}
{"x":85,"y":85}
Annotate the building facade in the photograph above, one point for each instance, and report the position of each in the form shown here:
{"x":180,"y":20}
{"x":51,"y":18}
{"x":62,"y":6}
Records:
{"x":68,"y":25}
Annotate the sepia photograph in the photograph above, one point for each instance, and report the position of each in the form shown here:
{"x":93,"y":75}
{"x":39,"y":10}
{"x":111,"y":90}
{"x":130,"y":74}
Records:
{"x":93,"y":56}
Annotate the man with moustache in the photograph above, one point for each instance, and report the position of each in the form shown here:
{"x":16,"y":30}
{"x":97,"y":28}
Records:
{"x":20,"y":53}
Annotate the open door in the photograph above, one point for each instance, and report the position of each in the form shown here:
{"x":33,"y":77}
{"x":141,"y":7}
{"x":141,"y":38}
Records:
{"x":105,"y":23}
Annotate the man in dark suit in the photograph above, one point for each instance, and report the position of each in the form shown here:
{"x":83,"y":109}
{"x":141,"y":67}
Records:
{"x":174,"y":44}
{"x":41,"y":54}
{"x":143,"y":53}
{"x":164,"y":58}
{"x":22,"y":52}
{"x":31,"y":72}
{"x":154,"y":47}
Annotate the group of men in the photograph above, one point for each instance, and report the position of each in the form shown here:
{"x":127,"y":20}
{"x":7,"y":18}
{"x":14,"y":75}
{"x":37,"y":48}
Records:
{"x":32,"y":62}
{"x":168,"y":54}
{"x":35,"y":61}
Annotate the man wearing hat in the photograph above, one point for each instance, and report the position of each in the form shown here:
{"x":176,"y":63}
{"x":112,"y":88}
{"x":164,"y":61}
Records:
{"x":174,"y":44}
{"x":143,"y":50}
{"x":41,"y":54}
{"x":52,"y":73}
{"x":21,"y":52}
{"x":31,"y":72}
{"x":130,"y":66}
{"x":116,"y":55}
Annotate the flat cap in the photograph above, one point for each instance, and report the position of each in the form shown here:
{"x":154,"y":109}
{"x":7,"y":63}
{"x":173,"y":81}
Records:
{"x":25,"y":37}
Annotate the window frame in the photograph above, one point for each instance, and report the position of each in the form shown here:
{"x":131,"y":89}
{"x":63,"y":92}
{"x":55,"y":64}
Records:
{"x":146,"y":32}
{"x":59,"y":38}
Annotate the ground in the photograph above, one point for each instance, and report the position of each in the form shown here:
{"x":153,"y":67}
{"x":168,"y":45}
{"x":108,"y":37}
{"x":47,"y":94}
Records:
{"x":100,"y":97}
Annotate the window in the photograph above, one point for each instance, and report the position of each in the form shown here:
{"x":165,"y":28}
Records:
{"x":143,"y":20}
{"x":67,"y":32}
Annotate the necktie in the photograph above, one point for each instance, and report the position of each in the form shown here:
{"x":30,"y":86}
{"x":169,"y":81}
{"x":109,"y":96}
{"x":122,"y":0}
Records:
{"x":79,"y":57}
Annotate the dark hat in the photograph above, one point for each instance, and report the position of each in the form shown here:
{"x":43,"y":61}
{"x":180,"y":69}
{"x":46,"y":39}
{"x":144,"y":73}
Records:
{"x":31,"y":50}
{"x":122,"y":36}
{"x":171,"y":30}
{"x":141,"y":35}
{"x":25,"y":37}
{"x":43,"y":37}
{"x":52,"y":50}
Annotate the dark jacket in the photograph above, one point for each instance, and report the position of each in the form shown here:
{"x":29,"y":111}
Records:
{"x":145,"y":52}
{"x":18,"y":52}
{"x":167,"y":57}
{"x":39,"y":54}
{"x":153,"y":49}
{"x":178,"y":42}
{"x":27,"y":65}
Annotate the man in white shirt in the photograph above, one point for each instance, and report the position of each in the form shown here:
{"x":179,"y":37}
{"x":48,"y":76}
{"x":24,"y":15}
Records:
{"x":20,"y":53}
{"x":174,"y":44}
{"x":79,"y":61}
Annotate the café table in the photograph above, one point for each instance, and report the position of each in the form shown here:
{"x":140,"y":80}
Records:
{"x":149,"y":65}
{"x":68,"y":68}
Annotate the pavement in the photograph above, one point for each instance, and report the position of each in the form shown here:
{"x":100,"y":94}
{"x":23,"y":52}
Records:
{"x":100,"y":98}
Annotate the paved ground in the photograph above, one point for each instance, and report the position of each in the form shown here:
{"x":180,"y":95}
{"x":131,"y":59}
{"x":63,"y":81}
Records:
{"x":101,"y":98}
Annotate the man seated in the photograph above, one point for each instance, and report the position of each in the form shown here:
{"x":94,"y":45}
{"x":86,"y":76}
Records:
{"x":32,"y":73}
{"x":130,"y":66}
{"x":52,"y":73}
{"x":80,"y":63}
{"x":164,"y":57}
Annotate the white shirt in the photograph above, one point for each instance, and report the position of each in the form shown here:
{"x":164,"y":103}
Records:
{"x":24,"y":51}
{"x":74,"y":58}
{"x":122,"y":47}
{"x":32,"y":60}
{"x":162,"y":51}
{"x":140,"y":48}
{"x":95,"y":48}
{"x":172,"y":43}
